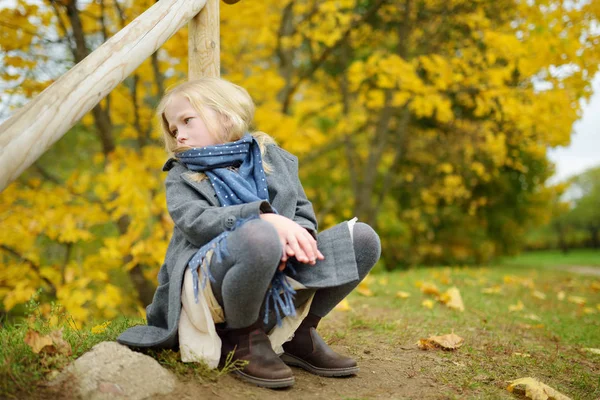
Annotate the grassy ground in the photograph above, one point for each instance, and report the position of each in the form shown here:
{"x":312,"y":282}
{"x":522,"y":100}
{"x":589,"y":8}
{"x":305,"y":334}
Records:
{"x":520,"y":320}
{"x":554,"y":258}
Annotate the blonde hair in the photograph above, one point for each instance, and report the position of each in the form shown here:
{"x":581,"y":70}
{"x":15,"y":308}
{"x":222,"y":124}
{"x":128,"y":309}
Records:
{"x":232,"y":104}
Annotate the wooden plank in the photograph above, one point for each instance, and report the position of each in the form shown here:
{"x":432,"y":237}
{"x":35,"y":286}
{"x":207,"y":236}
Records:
{"x":37,"y":126}
{"x":204,"y":42}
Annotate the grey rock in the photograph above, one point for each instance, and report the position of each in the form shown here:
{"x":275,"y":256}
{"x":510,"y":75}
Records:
{"x":112,"y":371}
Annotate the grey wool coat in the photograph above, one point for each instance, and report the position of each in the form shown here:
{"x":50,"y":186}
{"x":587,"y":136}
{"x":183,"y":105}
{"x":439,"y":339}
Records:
{"x":198,"y":218}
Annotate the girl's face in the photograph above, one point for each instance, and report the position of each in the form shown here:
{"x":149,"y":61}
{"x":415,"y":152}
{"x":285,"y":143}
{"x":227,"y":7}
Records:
{"x":186,"y":125}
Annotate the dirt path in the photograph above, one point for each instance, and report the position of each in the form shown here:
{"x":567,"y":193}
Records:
{"x":584,"y":270}
{"x":386,"y":372}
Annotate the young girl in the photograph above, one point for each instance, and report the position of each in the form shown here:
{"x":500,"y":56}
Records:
{"x":245,"y":249}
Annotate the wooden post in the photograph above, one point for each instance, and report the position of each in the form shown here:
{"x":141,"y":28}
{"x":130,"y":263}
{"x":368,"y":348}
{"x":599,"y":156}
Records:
{"x":34,"y":128}
{"x":204,"y":42}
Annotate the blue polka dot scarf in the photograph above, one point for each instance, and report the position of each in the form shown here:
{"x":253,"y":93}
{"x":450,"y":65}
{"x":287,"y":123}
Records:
{"x":245,"y":185}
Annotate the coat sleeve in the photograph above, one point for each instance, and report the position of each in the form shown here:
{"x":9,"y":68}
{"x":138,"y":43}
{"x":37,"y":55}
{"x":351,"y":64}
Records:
{"x":198,"y":220}
{"x":304,"y":214}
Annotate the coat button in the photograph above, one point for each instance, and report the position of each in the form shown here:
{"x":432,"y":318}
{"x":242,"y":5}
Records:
{"x":230,"y":221}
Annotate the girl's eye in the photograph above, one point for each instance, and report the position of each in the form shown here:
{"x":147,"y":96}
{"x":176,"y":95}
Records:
{"x":187,"y":120}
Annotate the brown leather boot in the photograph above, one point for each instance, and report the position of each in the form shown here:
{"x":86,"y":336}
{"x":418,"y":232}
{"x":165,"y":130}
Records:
{"x":252,"y":344}
{"x":309,"y":351}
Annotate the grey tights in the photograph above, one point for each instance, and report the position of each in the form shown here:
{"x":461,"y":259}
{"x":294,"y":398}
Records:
{"x":242,"y":279}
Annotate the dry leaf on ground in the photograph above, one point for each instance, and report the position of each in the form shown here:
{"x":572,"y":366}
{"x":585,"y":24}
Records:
{"x":536,"y":390}
{"x":492,"y":290}
{"x":538,"y":295}
{"x":427,"y":304}
{"x":452,"y":299}
{"x":516,"y":307}
{"x":428,"y":288}
{"x":450,"y":341}
{"x":52,"y":343}
{"x":402,"y":295}
{"x":343,"y":306}
{"x":580,"y":301}
{"x":363,"y":289}
{"x":591,"y":350}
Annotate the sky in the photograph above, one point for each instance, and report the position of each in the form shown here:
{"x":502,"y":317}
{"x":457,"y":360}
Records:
{"x":584,"y":150}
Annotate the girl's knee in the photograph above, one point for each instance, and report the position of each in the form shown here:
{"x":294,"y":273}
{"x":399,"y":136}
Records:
{"x":260,"y":242}
{"x":367,"y":246}
{"x":366,"y":238}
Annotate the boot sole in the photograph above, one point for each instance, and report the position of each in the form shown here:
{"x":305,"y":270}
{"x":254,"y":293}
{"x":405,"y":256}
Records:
{"x":292,"y":360}
{"x":266,"y":383}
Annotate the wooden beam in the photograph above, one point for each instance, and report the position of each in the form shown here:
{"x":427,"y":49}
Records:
{"x":45,"y":119}
{"x":204,"y":42}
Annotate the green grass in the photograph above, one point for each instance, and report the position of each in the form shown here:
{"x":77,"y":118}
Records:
{"x":554,"y":258}
{"x":551,"y":330}
{"x":22,"y":371}
{"x":560,"y":318}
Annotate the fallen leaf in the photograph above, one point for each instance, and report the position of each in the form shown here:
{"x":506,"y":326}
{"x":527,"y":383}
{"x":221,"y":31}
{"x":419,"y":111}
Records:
{"x":429,"y":288}
{"x":536,"y":390}
{"x":593,"y":351}
{"x":36,"y":341}
{"x":61,"y":345}
{"x":516,"y":307}
{"x":595,"y":286}
{"x":589,"y":310}
{"x":527,"y":326}
{"x":427,"y":304}
{"x":538,"y":295}
{"x":524,"y":355}
{"x":450,"y":341}
{"x":532,"y":317}
{"x":580,"y":301}
{"x":363,"y":289}
{"x":452,"y":299}
{"x":343,"y":306}
{"x":560,"y":295}
{"x":52,"y":343}
{"x":402,"y":295}
{"x":492,"y":290}
{"x":383,"y":281}
{"x":102,"y":327}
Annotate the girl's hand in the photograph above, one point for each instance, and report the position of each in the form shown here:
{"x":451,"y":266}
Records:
{"x":295,"y":240}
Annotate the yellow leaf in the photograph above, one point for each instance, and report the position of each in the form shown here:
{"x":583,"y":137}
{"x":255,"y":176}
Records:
{"x":427,"y":304}
{"x":492,"y":290}
{"x":100,"y":328}
{"x":383,"y":281}
{"x":524,"y":355}
{"x":580,"y":301}
{"x":343,"y":306}
{"x":593,"y":351}
{"x":538,"y":295}
{"x":402,"y":295}
{"x":595,"y":286}
{"x":37,"y":342}
{"x":536,"y":390}
{"x":453,"y":299}
{"x":560,"y":295}
{"x":365,"y":291}
{"x":533,"y":317}
{"x":51,"y":344}
{"x":450,"y":341}
{"x":516,"y":307}
{"x":589,"y":310}
{"x":429,"y":288}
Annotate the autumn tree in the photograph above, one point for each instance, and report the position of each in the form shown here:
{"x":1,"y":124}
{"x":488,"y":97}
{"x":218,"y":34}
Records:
{"x":427,"y":119}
